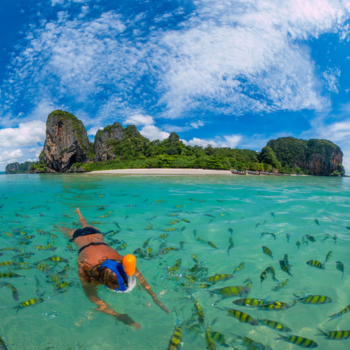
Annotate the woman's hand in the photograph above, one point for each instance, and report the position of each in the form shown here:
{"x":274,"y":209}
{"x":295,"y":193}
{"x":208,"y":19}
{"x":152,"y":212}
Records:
{"x":136,"y":326}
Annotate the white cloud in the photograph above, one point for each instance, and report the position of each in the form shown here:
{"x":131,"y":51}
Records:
{"x":228,"y":56}
{"x":27,"y":134}
{"x":197,"y":124}
{"x":154,"y":133}
{"x":331,"y":78}
{"x":32,"y":160}
{"x":139,"y":119}
{"x":10,"y":157}
{"x":227,"y":141}
{"x":94,"y":130}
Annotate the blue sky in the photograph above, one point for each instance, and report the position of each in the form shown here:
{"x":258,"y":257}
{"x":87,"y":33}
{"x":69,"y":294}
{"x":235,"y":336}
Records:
{"x":227,"y":72}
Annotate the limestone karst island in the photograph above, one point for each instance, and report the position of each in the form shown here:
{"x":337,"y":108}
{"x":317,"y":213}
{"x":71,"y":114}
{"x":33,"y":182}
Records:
{"x":68,"y":149}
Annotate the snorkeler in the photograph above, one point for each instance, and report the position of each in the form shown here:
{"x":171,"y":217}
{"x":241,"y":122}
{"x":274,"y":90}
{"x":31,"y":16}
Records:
{"x":99,"y":264}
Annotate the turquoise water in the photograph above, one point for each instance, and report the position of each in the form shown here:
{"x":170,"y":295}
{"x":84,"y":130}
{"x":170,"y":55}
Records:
{"x":68,"y":320}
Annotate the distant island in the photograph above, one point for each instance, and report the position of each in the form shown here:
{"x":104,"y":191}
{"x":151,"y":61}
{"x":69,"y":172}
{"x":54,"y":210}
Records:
{"x":68,"y":149}
{"x":18,"y":168}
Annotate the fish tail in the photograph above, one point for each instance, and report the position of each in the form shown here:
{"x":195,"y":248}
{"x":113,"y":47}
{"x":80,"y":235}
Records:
{"x":322,"y":332}
{"x":16,"y":307}
{"x":280,"y":336}
{"x":342,"y":276}
{"x":333,"y":317}
{"x":267,"y":298}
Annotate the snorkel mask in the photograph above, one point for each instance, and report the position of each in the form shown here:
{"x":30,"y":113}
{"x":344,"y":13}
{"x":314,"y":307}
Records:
{"x":126,"y":269}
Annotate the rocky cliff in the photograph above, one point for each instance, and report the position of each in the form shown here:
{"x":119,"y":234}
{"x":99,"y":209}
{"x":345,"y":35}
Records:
{"x":318,"y":157}
{"x":66,"y":142}
{"x":103,"y":146}
{"x":17,"y":168}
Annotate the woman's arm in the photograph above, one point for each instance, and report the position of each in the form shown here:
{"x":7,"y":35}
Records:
{"x":146,"y":286}
{"x":91,"y":292}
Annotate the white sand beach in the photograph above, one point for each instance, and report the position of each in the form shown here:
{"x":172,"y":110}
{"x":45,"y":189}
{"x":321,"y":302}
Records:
{"x":161,"y":172}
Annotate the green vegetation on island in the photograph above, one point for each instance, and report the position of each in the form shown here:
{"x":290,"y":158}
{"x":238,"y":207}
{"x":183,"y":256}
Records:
{"x":19,"y":168}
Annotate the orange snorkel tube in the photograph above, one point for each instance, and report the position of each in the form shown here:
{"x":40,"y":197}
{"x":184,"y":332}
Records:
{"x":129,"y":264}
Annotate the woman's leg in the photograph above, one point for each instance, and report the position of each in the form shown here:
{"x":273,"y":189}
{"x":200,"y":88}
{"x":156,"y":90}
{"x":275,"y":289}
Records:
{"x":66,"y":231}
{"x":82,"y":220}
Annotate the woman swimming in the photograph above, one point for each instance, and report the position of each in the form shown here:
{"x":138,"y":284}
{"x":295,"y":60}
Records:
{"x":99,"y":264}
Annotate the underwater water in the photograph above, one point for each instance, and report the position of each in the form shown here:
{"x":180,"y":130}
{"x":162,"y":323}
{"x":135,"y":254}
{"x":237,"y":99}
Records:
{"x":250,"y":206}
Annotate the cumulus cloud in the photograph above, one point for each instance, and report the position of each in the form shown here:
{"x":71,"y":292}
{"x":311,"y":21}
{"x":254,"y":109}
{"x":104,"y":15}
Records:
{"x":27,"y":134}
{"x":154,"y":133}
{"x":139,"y":119}
{"x":10,"y":157}
{"x":197,"y":124}
{"x":94,"y":130}
{"x":227,"y":141}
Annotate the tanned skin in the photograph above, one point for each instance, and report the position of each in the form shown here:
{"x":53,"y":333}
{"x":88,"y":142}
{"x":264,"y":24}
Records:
{"x":90,"y":257}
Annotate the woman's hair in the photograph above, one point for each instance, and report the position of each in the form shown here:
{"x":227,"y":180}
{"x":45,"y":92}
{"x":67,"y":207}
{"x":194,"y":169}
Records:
{"x":106,"y":277}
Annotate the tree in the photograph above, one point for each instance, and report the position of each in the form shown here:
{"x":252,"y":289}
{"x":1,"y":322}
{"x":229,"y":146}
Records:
{"x":268,"y":156}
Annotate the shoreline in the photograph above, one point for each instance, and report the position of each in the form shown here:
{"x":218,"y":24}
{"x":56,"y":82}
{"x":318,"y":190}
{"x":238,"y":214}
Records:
{"x":156,"y":171}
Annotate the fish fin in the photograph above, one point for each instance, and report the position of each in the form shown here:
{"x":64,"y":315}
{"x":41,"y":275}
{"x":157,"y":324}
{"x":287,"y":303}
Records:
{"x":214,"y":321}
{"x":267,"y":298}
{"x":16,"y":307}
{"x":322,"y":332}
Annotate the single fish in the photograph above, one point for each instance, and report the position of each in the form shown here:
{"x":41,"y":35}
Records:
{"x":310,"y":238}
{"x":62,"y":287}
{"x":288,"y":236}
{"x":13,"y":289}
{"x":335,"y":335}
{"x":227,"y":292}
{"x":29,"y":302}
{"x":250,"y":302}
{"x":280,"y":285}
{"x":274,"y":306}
{"x":241,"y":316}
{"x":275,"y":325}
{"x":212,"y":245}
{"x":302,"y":342}
{"x":250,"y":344}
{"x":314,"y":299}
{"x":230,"y":230}
{"x":176,"y":266}
{"x":284,"y":267}
{"x":170,"y":229}
{"x":182,"y":243}
{"x":316,"y":264}
{"x":335,"y":238}
{"x":146,"y":243}
{"x":327,"y":236}
{"x":57,"y":259}
{"x":317,"y":222}
{"x":122,"y":247}
{"x":201,"y":240}
{"x":2,"y":344}
{"x":239,"y":267}
{"x":130,"y":205}
{"x":173,"y":222}
{"x":183,"y":229}
{"x":219,"y":278}
{"x":210,"y":215}
{"x":267,"y":251}
{"x":328,"y":257}
{"x":194,"y":257}
{"x":186,"y":221}
{"x":115,"y":241}
{"x":208,"y":338}
{"x":13,"y":249}
{"x":230,"y":246}
{"x":258,"y":224}
{"x":176,"y":339}
{"x":164,"y":235}
{"x":340,"y":267}
{"x":298,"y":244}
{"x":194,"y":233}
{"x":340,"y":313}
{"x":249,"y":283}
{"x":9,"y":275}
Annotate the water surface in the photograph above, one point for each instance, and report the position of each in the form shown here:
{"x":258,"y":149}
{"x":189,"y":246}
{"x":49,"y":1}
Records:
{"x":249,"y":205}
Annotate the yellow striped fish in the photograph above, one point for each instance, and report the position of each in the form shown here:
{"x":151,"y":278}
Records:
{"x":241,"y":316}
{"x":9,"y":275}
{"x":228,"y":292}
{"x":267,"y":251}
{"x":302,"y":342}
{"x":274,"y":306}
{"x":250,"y":302}
{"x":219,"y":278}
{"x":29,"y":302}
{"x":314,"y":299}
{"x":340,"y":313}
{"x":173,"y":222}
{"x":122,"y":247}
{"x":239,"y":267}
{"x":2,"y":344}
{"x":316,"y":264}
{"x":175,"y":340}
{"x":335,"y":335}
{"x":275,"y":325}
{"x":13,"y":289}
{"x":280,"y":286}
{"x":208,"y":338}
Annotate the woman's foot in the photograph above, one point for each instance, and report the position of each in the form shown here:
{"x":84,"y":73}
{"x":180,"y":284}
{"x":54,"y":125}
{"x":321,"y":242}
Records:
{"x":77,"y":211}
